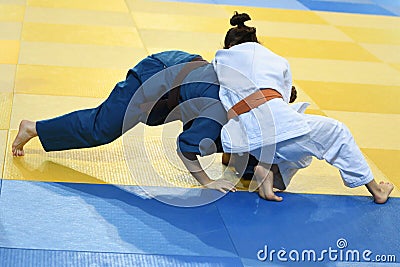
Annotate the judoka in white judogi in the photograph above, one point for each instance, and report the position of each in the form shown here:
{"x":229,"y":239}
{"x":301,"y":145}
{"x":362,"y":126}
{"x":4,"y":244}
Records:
{"x":276,"y":132}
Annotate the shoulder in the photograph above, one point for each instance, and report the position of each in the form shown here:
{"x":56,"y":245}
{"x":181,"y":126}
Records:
{"x":173,"y":57}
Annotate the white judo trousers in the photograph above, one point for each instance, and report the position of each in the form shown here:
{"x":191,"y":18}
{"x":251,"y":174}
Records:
{"x":329,"y":140}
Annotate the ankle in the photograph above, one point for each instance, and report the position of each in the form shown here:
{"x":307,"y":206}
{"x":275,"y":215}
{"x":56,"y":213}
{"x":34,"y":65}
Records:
{"x":30,"y":127}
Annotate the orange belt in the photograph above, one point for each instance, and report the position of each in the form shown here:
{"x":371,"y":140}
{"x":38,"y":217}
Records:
{"x":252,"y":101}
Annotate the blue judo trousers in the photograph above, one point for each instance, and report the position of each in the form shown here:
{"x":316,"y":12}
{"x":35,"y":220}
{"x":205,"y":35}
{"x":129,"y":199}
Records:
{"x":202,"y":119}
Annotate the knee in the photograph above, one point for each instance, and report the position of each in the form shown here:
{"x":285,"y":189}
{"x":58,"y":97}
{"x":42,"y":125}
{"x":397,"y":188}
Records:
{"x":104,"y":135}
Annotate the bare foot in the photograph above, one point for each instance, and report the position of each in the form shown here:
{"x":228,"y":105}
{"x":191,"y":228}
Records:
{"x":26,"y":131}
{"x":278,"y":180}
{"x":380,"y":191}
{"x":265,"y":178}
{"x":383,"y":193}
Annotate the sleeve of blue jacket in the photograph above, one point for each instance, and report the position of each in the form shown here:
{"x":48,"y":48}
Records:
{"x":202,"y":114}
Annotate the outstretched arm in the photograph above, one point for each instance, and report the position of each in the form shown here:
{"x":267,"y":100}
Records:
{"x":194,"y":167}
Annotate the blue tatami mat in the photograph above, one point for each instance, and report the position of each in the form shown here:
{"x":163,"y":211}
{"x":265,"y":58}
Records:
{"x":370,"y":7}
{"x":347,"y":7}
{"x":284,"y":4}
{"x":310,"y":222}
{"x":104,"y":218}
{"x":81,"y":223}
{"x":51,"y":258}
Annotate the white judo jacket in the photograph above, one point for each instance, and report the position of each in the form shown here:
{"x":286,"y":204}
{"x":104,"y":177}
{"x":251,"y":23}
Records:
{"x":242,"y":70}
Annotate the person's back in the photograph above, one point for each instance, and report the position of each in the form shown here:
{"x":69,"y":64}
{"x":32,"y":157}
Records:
{"x":243,"y":70}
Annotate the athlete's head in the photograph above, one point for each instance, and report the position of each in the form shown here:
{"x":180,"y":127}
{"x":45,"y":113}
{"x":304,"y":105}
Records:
{"x":240,"y":33}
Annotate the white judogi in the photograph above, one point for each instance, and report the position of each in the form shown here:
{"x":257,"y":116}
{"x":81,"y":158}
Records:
{"x":274,"y":132}
{"x":330,"y":140}
{"x":240,"y":74}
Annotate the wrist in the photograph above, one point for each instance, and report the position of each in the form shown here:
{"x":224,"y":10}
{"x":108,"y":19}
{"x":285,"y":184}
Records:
{"x":205,"y":181}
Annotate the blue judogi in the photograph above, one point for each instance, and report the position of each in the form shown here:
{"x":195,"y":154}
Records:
{"x":202,"y":119}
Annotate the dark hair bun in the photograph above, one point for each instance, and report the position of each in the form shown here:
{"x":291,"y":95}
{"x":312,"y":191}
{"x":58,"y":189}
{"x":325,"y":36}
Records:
{"x":239,"y":19}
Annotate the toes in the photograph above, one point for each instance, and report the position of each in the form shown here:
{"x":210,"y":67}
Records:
{"x":391,"y":187}
{"x":379,"y":201}
{"x":19,"y":153}
{"x":274,"y":198}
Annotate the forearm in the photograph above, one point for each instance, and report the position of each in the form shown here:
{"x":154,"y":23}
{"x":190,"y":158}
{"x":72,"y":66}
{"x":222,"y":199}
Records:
{"x":194,"y":167}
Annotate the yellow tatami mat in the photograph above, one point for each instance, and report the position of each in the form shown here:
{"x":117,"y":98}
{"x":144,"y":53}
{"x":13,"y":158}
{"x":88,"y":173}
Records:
{"x":140,"y":158}
{"x":47,"y":106}
{"x":354,"y":97}
{"x":3,"y":143}
{"x":69,"y":81}
{"x":12,"y":12}
{"x":12,"y":48}
{"x":7,"y":78}
{"x":98,"y":5}
{"x":386,"y":160}
{"x":5,"y":110}
{"x":60,"y":56}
